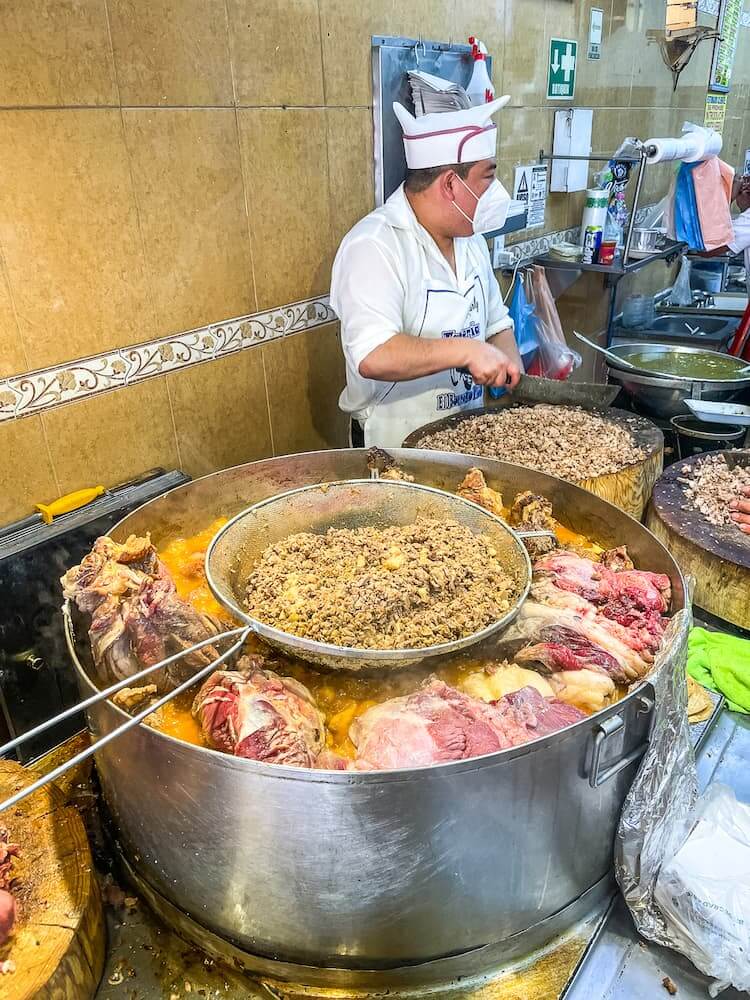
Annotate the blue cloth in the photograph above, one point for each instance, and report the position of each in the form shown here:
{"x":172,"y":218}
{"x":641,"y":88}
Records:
{"x":686,"y":219}
{"x":521,"y":311}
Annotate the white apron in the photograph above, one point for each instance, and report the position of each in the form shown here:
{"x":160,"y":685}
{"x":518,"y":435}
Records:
{"x":444,"y":312}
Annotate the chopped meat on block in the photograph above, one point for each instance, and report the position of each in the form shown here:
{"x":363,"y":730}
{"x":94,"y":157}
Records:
{"x":474,"y":488}
{"x":439,"y":723}
{"x":137,"y":617}
{"x":253,"y":712}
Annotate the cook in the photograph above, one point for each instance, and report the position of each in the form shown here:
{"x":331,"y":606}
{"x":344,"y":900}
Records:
{"x":741,"y":226}
{"x":423,"y":325}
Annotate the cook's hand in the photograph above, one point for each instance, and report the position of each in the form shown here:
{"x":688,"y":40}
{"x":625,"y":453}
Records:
{"x":741,"y":515}
{"x":489,"y":366}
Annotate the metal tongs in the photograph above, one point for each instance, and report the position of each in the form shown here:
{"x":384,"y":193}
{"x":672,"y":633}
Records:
{"x":240,"y":633}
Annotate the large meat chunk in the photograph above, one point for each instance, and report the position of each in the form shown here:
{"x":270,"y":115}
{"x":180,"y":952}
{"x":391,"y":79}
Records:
{"x":438,"y":724}
{"x":534,"y":513}
{"x":137,"y":617}
{"x":604,"y":587}
{"x":560,"y":647}
{"x":253,"y":712}
{"x":474,"y":487}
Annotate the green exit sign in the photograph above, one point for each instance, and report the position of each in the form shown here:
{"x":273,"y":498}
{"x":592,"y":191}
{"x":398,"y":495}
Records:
{"x":561,"y":72}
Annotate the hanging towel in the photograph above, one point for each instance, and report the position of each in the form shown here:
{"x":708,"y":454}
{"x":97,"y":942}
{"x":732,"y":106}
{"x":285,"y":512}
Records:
{"x":721,"y":663}
{"x":686,"y":219}
{"x":712,"y":182}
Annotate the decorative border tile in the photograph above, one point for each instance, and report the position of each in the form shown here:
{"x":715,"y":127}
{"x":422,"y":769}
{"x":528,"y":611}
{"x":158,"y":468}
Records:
{"x":32,"y":392}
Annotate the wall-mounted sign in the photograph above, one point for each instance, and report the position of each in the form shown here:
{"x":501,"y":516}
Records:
{"x":716,"y":109}
{"x":730,"y":13}
{"x":561,"y":71}
{"x":530,"y":186}
{"x":596,"y":27}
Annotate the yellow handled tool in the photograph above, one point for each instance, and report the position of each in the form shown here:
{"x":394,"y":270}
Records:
{"x":71,"y":501}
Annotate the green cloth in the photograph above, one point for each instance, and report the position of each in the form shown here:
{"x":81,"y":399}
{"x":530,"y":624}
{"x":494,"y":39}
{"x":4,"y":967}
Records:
{"x":721,"y":663}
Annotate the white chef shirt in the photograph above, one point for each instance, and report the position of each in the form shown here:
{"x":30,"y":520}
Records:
{"x":377,"y":281}
{"x":741,"y":241}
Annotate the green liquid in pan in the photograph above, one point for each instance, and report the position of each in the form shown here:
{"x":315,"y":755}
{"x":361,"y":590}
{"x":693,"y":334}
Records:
{"x":702,"y":364}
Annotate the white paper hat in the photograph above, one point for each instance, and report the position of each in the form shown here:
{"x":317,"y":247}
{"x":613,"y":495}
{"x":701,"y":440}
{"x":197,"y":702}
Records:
{"x":437,"y":140}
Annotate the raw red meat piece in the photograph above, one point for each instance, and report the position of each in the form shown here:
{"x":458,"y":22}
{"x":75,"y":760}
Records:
{"x":559,"y":647}
{"x":541,"y":716}
{"x":597,"y":583}
{"x":255,"y":713}
{"x":137,"y":617}
{"x":438,"y":724}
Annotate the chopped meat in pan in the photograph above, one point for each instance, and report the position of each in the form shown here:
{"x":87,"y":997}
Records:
{"x":392,"y":588}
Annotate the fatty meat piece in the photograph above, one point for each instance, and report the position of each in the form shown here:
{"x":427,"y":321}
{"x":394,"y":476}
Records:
{"x":474,"y":487}
{"x":588,"y":690}
{"x":534,"y":513}
{"x":497,"y":680}
{"x":439,"y":723}
{"x":255,"y":713}
{"x":137,"y":617}
{"x":606,"y":588}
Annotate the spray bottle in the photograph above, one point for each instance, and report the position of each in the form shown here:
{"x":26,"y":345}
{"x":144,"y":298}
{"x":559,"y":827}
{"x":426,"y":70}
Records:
{"x":480,"y":89}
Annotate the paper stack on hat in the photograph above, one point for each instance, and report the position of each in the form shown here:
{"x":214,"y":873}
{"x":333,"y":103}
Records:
{"x":436,"y":140}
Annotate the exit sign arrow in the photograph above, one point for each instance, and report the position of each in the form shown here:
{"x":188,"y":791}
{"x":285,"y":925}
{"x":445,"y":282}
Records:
{"x":561,"y":75}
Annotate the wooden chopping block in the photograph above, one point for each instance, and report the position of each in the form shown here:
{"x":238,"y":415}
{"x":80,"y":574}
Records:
{"x":59,"y":939}
{"x":718,"y":558}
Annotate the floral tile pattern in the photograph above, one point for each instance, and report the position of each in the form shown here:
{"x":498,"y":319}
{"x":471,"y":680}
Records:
{"x":31,"y":392}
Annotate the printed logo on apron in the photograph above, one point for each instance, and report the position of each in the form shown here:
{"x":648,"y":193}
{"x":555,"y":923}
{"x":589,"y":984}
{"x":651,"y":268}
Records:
{"x":404,"y":406}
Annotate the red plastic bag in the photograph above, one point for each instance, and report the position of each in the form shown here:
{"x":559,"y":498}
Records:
{"x":554,"y":358}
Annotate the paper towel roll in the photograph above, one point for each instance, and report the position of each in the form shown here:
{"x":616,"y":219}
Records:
{"x":693,"y":145}
{"x":595,"y":211}
{"x":664,"y":150}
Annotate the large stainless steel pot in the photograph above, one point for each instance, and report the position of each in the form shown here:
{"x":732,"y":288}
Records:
{"x":663,"y":395}
{"x":433,"y":871}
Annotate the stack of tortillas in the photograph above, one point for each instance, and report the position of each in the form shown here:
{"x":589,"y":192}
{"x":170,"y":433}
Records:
{"x":700,"y":705}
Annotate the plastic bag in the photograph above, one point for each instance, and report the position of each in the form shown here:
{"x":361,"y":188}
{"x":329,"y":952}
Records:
{"x":686,"y":220}
{"x":524,"y":322}
{"x":682,"y":292}
{"x":662,"y":796}
{"x":554,"y":358}
{"x":521,"y":311}
{"x":704,"y":890}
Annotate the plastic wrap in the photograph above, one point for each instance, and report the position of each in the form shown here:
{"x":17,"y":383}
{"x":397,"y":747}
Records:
{"x":704,"y":890}
{"x":662,"y":796}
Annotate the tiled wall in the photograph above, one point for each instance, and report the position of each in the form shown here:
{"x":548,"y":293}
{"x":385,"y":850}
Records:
{"x":170,"y":163}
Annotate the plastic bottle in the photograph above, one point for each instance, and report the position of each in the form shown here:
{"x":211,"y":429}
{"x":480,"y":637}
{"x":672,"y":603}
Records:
{"x":611,"y":237}
{"x":480,"y":89}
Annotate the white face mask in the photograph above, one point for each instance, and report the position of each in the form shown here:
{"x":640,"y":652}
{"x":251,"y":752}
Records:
{"x":492,"y":208}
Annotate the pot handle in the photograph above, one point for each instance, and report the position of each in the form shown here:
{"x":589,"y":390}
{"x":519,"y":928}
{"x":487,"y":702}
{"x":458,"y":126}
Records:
{"x":615,"y":724}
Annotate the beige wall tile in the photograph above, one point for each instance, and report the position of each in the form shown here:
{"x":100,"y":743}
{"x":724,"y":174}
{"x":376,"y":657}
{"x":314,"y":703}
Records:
{"x":188,"y":186}
{"x":111,"y":438}
{"x":484,"y":19}
{"x":525,"y":61}
{"x":286,"y":176}
{"x":12,"y":357}
{"x":652,"y":79}
{"x":55,"y":53}
{"x":69,"y":233}
{"x":350,"y":166}
{"x":23,"y":482}
{"x":308,"y":369}
{"x":523,"y":132}
{"x":276,"y":54}
{"x":221,"y":413}
{"x":171,"y":53}
{"x":347,"y":29}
